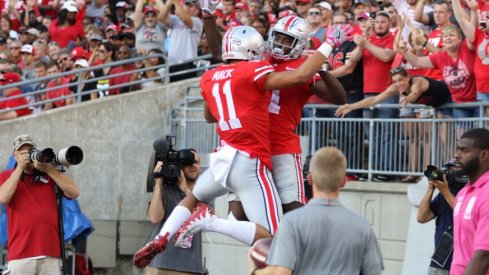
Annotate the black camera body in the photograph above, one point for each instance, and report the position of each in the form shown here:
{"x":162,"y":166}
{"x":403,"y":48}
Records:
{"x":455,"y":181}
{"x":172,"y":161}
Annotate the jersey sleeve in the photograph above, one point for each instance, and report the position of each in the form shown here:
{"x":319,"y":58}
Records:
{"x":260,"y":71}
{"x":372,"y":263}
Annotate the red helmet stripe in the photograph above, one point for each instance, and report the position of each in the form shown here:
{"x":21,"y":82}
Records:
{"x":228,"y":40}
{"x":289,"y":22}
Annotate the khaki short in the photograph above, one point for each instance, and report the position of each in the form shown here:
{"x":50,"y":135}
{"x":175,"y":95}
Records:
{"x":45,"y":266}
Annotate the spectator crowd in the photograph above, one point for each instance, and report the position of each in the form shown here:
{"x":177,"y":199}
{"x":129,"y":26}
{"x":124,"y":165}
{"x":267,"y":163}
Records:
{"x":402,"y":47}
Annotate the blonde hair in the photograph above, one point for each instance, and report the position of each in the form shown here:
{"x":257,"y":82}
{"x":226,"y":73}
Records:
{"x":451,"y":29}
{"x":328,"y":169}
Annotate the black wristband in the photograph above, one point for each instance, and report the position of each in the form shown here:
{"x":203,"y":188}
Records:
{"x":425,"y":43}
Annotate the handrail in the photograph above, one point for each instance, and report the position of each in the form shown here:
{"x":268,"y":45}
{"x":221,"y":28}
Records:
{"x":80,"y":81}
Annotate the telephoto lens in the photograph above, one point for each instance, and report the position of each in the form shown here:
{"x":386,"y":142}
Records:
{"x":45,"y":155}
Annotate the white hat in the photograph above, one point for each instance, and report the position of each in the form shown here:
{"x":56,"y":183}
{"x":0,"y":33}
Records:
{"x":324,"y":5}
{"x":69,"y":6}
{"x":33,"y":31}
{"x":82,"y":63}
{"x":27,"y":49}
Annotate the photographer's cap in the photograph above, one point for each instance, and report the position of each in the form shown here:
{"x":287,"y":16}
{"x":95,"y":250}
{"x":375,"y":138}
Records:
{"x":21,"y":140}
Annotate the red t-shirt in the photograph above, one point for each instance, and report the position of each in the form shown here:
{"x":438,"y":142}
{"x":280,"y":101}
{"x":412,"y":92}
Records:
{"x":56,"y":93}
{"x":285,"y":112}
{"x":16,"y":102}
{"x":237,"y":99}
{"x":481,"y":70}
{"x":120,"y":79}
{"x":436,"y":39}
{"x":32,"y":219}
{"x":376,"y":71}
{"x":63,"y":36}
{"x":458,"y":75}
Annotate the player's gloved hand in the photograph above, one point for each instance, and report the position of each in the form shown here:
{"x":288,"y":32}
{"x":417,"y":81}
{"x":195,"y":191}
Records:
{"x":336,"y":38}
{"x":209,"y":6}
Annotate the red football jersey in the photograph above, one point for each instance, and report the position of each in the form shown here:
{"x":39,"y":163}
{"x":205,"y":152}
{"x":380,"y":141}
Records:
{"x":286,"y":110}
{"x":238,"y":101}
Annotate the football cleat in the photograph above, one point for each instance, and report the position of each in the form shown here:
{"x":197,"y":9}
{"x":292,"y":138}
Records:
{"x":145,"y":255}
{"x":200,"y":220}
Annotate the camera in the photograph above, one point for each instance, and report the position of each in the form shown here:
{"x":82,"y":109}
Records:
{"x":172,"y":161}
{"x":373,"y":15}
{"x":72,"y":155}
{"x":455,"y":181}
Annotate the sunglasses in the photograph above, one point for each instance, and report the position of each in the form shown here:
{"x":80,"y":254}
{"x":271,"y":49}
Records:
{"x":313,"y":13}
{"x":397,"y":70}
{"x":102,"y":51}
{"x":14,"y":48}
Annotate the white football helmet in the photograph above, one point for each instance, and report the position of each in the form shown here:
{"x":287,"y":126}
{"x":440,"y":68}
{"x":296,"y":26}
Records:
{"x":242,"y":43}
{"x":293,"y":27}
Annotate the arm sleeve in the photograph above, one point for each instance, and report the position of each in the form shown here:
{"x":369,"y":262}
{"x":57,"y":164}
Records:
{"x":285,"y":249}
{"x":434,"y":205}
{"x":481,"y":239}
{"x":372,"y":263}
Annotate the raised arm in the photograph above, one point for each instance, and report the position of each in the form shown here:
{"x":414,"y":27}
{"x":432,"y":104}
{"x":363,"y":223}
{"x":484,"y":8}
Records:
{"x":419,"y":14}
{"x":182,"y":14}
{"x":385,"y":55}
{"x":422,"y":62}
{"x":424,"y":211}
{"x":138,"y":13}
{"x":64,"y":182}
{"x":313,"y":64}
{"x":165,"y":13}
{"x":213,"y":35}
{"x":156,"y":211}
{"x":467,"y":27}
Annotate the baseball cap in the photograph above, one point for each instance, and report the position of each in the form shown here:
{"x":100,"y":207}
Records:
{"x":78,"y":53}
{"x":69,"y":6}
{"x":112,"y":27}
{"x":324,"y":5}
{"x":21,"y":140}
{"x":82,"y":63}
{"x":121,"y":4}
{"x":363,"y":15}
{"x":385,"y":14}
{"x":8,"y":78}
{"x":27,"y":49}
{"x":241,"y":6}
{"x":96,"y":36}
{"x":149,"y":8}
{"x":33,"y":31}
{"x":22,"y":30}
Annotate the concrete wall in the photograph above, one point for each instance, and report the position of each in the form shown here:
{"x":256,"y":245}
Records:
{"x":116,"y":134}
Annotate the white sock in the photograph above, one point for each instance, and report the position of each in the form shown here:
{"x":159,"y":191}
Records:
{"x":238,"y":230}
{"x":176,"y":219}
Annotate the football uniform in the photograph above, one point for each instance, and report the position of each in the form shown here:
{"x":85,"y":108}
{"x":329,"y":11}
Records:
{"x":237,"y":99}
{"x":285,"y":114}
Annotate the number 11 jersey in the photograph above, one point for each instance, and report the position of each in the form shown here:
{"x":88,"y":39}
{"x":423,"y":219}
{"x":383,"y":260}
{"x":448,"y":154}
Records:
{"x":237,"y":99}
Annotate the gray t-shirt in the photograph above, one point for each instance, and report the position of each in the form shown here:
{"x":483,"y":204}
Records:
{"x":324,"y":237}
{"x":151,"y":38}
{"x":184,"y":41}
{"x":176,"y":258}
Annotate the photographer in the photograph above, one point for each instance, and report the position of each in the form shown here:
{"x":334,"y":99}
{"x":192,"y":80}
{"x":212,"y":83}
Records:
{"x":29,"y":193}
{"x":165,"y":198}
{"x":441,"y":208}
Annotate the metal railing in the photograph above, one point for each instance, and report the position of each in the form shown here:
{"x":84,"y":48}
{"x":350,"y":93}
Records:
{"x":400,"y":146}
{"x":33,"y":104}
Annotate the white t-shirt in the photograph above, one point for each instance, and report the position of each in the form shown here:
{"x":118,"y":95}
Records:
{"x":184,"y":41}
{"x":402,"y":8}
